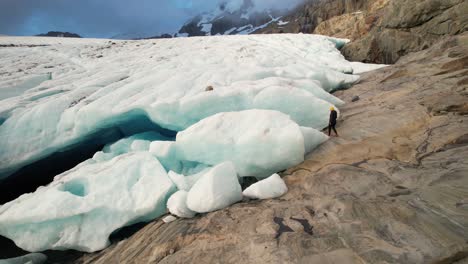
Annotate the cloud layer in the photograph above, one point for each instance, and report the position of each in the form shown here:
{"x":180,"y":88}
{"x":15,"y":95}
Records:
{"x":106,"y":18}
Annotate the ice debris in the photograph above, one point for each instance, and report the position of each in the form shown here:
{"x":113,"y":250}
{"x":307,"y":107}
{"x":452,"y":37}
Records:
{"x":216,"y":189}
{"x":169,"y":218}
{"x":177,"y":205}
{"x":271,"y":187}
{"x":82,"y":207}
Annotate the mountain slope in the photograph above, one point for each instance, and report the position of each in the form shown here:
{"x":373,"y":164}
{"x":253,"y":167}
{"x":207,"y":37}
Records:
{"x":381,"y":31}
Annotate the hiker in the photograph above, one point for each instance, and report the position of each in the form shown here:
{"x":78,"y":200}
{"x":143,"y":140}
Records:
{"x":332,"y":122}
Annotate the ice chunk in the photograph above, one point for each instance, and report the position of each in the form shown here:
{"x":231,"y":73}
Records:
{"x":33,"y":258}
{"x":359,"y":67}
{"x":82,"y":207}
{"x":217,"y":189}
{"x":258,"y":142}
{"x":137,"y":142}
{"x":177,"y":205}
{"x":169,"y":218}
{"x":268,"y":188}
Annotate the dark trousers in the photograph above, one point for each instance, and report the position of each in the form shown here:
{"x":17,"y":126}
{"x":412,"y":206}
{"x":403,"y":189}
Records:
{"x":330,"y":127}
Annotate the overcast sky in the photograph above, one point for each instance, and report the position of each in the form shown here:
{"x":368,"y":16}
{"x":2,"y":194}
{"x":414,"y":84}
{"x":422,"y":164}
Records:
{"x":106,"y":18}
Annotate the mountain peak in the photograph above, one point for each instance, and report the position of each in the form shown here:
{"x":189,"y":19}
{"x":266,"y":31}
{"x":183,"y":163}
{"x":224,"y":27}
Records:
{"x":231,"y":18}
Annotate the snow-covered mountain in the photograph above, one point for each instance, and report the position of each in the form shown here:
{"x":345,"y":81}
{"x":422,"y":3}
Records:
{"x":234,"y":17}
{"x":231,"y":18}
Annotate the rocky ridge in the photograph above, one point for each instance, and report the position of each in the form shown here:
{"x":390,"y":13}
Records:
{"x":382,"y":31}
{"x":390,"y":189}
{"x":59,"y":34}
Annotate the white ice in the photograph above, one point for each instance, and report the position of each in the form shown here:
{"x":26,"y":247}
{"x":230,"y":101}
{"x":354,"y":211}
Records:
{"x":177,"y":205}
{"x":216,"y":189}
{"x":82,"y":207}
{"x":271,"y":187}
{"x":169,"y":219}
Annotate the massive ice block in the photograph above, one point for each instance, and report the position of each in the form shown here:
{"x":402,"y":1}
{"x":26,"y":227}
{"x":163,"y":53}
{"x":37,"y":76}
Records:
{"x":216,"y":189}
{"x":258,"y":142}
{"x":82,"y":207}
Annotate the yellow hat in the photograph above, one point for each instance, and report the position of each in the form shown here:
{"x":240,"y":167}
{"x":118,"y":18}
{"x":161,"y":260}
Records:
{"x":332,"y":108}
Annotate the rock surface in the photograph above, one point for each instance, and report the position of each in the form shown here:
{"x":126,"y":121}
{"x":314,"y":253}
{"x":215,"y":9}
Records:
{"x":382,"y":31}
{"x":407,"y":26}
{"x":390,"y":189}
{"x":307,"y":17}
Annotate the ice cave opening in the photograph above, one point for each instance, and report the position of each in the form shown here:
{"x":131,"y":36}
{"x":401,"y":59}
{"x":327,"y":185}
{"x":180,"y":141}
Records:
{"x":42,"y":172}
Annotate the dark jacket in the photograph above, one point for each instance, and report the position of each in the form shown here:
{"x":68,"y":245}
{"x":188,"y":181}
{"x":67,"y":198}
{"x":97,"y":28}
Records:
{"x":333,"y":117}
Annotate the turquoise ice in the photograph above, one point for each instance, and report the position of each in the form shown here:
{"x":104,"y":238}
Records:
{"x":257,"y":142}
{"x":83,"y":206}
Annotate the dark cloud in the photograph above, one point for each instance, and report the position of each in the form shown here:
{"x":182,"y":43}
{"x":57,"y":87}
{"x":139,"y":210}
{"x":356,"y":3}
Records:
{"x":105,"y":18}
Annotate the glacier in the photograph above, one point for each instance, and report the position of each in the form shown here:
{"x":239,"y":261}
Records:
{"x":136,"y":131}
{"x":156,"y":82}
